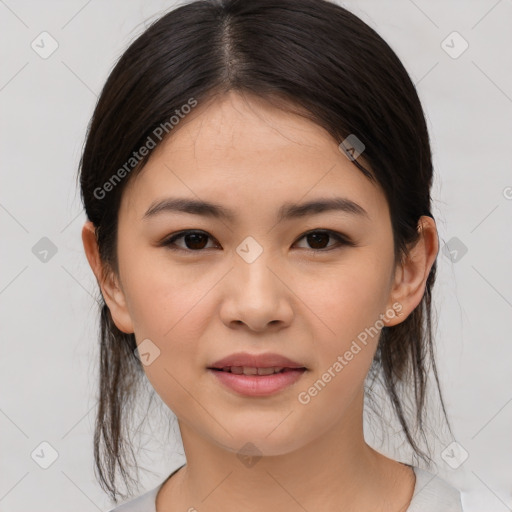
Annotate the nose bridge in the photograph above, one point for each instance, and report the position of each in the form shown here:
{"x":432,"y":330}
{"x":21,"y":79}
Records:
{"x":251,"y":250}
{"x":252,"y":264}
{"x":258,"y":295}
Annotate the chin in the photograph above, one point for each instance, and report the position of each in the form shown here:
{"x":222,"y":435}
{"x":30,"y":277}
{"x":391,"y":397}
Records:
{"x":260,"y":439}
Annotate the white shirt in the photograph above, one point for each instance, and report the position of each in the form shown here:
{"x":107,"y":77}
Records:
{"x":431,"y":494}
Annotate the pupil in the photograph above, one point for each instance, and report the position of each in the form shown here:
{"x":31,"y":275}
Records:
{"x":194,"y":237}
{"x":316,"y":236}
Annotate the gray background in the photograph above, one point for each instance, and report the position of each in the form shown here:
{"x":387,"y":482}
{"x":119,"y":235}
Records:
{"x":47,"y":308}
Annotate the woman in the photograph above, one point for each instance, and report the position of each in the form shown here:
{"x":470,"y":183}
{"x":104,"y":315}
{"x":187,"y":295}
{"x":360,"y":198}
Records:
{"x":257,"y":178}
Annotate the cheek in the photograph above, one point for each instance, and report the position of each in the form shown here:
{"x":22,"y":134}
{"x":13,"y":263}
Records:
{"x":350,"y":298}
{"x":172,"y":311}
{"x":160,"y":294}
{"x":170,"y":306}
{"x":350,"y":304}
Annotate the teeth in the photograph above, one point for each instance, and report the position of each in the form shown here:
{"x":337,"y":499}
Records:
{"x":247,"y":370}
{"x":266,"y":371}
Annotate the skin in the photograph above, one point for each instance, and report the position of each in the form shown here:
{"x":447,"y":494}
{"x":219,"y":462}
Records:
{"x":297,"y":299}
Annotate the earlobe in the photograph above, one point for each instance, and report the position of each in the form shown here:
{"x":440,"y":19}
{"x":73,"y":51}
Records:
{"x":107,"y":281}
{"x":411,"y":275}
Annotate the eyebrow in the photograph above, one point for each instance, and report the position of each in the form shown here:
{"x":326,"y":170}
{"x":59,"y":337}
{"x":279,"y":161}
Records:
{"x":286,"y":211}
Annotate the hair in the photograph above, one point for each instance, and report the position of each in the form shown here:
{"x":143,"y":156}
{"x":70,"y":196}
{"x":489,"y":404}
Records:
{"x":310,"y":57}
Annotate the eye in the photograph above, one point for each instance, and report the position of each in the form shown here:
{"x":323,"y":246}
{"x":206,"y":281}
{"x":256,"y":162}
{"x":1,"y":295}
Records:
{"x":195,"y":240}
{"x":319,"y":237}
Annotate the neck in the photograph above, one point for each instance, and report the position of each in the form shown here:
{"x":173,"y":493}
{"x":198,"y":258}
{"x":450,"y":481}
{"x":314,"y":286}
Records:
{"x":337,"y":468}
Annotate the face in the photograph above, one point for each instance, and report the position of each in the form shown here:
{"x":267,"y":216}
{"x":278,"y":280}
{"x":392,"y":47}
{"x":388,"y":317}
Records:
{"x":315,"y":288}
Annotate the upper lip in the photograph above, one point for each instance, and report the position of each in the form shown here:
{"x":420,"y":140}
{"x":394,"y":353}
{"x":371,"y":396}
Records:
{"x":266,"y":360}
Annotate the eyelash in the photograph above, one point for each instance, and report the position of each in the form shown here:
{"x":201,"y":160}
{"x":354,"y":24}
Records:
{"x":342,"y":240}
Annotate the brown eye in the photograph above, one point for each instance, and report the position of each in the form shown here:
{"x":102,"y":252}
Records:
{"x":196,"y":241}
{"x":193,"y":240}
{"x":318,"y":240}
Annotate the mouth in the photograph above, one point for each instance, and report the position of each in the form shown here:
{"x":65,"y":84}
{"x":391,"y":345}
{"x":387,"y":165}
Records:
{"x":256,"y":371}
{"x":250,"y":381}
{"x":256,"y":375}
{"x":242,"y":362}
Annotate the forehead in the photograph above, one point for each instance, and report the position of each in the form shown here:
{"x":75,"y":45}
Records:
{"x":249,"y":155}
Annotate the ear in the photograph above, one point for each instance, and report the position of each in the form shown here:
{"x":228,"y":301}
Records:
{"x":107,"y":280}
{"x":412,"y":274}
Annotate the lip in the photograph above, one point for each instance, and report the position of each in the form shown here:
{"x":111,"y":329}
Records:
{"x":257,"y":385}
{"x":265,"y":360}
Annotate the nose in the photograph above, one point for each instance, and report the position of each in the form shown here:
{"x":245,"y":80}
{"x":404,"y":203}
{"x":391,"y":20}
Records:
{"x":257,"y":296}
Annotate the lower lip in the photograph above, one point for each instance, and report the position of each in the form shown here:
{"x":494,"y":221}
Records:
{"x":258,"y":385}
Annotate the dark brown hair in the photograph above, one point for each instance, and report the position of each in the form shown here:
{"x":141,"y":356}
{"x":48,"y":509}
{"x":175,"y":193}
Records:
{"x":311,"y":57}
